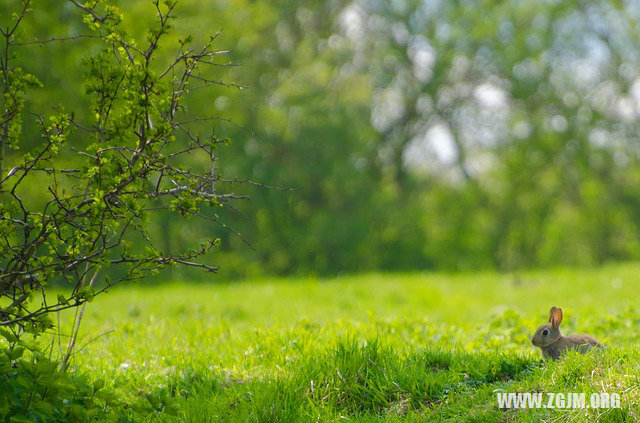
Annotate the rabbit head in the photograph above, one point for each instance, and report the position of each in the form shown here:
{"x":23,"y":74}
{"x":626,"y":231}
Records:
{"x":549,"y":332}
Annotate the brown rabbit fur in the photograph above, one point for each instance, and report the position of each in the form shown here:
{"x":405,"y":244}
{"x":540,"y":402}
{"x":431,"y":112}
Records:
{"x":553,"y":344}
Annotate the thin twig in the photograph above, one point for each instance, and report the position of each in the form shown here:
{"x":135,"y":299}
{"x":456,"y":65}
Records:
{"x":72,"y":341}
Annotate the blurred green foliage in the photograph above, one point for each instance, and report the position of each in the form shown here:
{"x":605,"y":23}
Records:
{"x":454,"y":134}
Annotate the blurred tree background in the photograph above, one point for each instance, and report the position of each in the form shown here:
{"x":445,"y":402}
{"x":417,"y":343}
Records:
{"x":405,"y":134}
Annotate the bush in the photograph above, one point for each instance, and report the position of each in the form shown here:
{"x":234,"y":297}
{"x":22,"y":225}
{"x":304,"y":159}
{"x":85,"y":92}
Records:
{"x":32,"y":388}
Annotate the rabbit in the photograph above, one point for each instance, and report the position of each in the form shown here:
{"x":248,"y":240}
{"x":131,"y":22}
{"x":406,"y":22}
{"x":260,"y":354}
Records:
{"x":553,"y":344}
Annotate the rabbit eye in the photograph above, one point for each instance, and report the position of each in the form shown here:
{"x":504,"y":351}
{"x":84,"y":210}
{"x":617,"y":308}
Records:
{"x":545,"y":332}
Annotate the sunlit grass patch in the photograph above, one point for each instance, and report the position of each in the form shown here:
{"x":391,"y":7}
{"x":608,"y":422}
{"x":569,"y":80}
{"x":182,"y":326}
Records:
{"x":307,"y":350}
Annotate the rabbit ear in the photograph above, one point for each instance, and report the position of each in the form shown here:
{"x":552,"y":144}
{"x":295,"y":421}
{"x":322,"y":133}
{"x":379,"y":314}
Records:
{"x":551,"y":314}
{"x":556,"y":318}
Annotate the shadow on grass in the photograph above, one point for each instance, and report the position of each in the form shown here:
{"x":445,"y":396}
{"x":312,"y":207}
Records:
{"x":355,"y":380}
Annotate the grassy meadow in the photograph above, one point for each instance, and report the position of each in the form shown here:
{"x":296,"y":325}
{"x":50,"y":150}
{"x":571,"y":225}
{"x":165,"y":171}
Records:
{"x":420,"y":347}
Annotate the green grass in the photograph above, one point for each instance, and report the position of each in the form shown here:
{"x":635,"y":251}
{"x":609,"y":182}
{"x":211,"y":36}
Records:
{"x":417,"y":347}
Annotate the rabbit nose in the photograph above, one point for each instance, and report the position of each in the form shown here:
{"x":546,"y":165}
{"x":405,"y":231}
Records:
{"x":533,"y":341}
